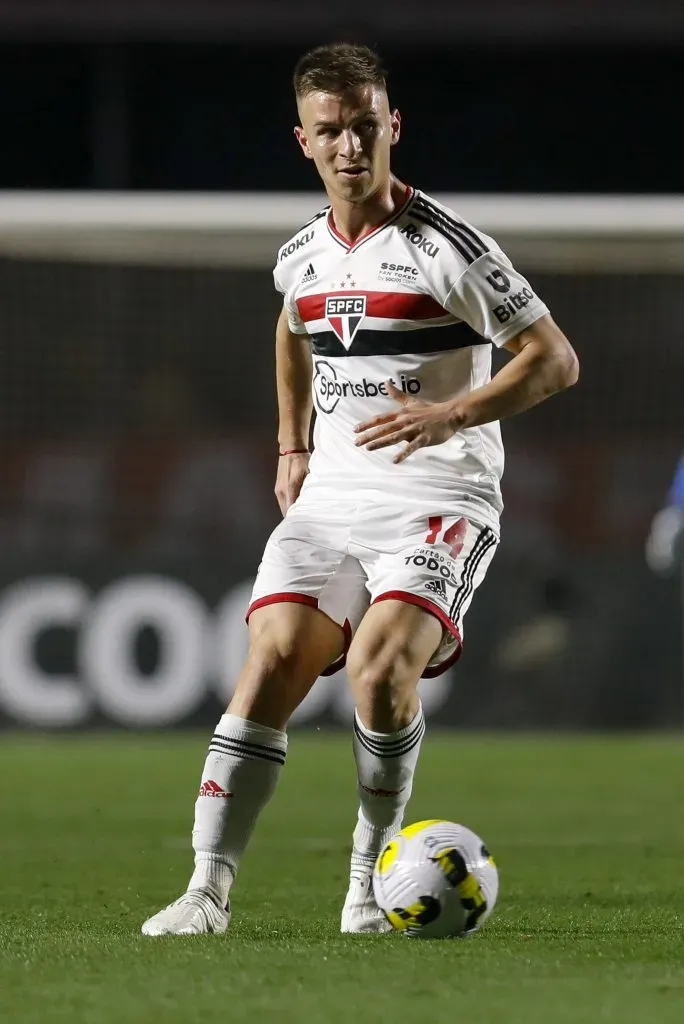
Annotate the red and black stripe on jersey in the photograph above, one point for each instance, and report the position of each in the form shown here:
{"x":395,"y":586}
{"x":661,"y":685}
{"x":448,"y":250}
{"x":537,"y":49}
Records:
{"x":420,"y":330}
{"x":383,"y":305}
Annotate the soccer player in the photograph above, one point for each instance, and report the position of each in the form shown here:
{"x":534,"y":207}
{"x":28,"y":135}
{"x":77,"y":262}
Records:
{"x":391,"y":305}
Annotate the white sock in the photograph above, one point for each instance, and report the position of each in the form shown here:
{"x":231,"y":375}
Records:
{"x":385,"y":763}
{"x":240,"y":775}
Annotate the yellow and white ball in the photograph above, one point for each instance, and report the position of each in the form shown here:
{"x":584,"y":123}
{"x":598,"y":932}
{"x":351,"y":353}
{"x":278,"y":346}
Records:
{"x":436,"y":879}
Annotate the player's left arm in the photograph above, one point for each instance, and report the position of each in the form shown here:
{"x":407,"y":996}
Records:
{"x":544,"y":362}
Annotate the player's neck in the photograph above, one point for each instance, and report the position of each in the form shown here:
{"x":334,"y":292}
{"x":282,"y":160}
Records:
{"x":352,"y":220}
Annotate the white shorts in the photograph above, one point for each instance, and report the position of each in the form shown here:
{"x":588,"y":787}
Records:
{"x":342,"y":556}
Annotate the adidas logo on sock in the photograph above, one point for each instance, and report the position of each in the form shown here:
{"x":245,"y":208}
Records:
{"x":309,"y":275}
{"x":211,"y":788}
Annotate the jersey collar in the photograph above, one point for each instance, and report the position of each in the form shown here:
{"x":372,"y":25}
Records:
{"x":347,"y":245}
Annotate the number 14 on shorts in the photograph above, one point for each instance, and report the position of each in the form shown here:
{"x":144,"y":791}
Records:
{"x":453,"y":536}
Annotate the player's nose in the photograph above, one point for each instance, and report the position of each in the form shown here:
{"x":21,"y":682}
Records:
{"x":350,"y":143}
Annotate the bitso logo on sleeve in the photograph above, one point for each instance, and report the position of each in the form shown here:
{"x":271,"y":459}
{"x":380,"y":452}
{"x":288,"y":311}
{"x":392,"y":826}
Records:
{"x":344,"y":313}
{"x":499,"y":281}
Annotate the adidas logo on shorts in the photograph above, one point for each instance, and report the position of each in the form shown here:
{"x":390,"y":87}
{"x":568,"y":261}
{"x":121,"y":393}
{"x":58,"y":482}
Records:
{"x":436,"y":587}
{"x":309,"y":274}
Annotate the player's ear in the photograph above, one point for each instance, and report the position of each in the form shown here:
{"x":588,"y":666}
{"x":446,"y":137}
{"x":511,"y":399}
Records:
{"x":395,"y":127}
{"x":300,"y":136}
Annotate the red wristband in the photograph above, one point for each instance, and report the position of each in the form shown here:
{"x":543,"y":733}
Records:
{"x":294,"y":451}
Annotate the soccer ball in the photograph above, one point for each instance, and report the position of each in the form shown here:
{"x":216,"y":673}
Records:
{"x":435,"y":880}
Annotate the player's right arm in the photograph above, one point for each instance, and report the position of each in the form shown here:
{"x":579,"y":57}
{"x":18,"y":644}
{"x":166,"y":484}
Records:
{"x":293,"y":383}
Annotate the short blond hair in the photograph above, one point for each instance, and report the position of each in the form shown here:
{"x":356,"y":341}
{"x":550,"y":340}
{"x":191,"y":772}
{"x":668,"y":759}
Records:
{"x":336,"y":67}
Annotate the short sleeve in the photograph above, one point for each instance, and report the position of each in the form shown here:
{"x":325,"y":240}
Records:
{"x":494,"y":299}
{"x":294,"y":321}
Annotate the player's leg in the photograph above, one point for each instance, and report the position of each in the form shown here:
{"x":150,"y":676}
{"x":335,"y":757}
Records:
{"x":290,"y":645}
{"x":307,"y":597}
{"x":422,"y":590}
{"x":292,"y":639}
{"x":388,"y":655}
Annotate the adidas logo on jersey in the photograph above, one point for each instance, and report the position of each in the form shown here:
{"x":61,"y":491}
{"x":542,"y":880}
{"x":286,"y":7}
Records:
{"x":310,"y":275}
{"x":436,"y":587}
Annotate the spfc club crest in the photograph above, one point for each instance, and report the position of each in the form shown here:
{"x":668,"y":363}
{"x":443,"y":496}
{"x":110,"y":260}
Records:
{"x":344,"y":313}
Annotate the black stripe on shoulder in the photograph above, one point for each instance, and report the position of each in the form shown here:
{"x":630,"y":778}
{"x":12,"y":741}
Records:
{"x":458,"y":224}
{"x":478,"y":245}
{"x":458,"y":244}
{"x":469,"y":237}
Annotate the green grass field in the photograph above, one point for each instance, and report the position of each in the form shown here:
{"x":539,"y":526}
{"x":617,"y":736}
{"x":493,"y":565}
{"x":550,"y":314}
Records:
{"x":588,"y":835}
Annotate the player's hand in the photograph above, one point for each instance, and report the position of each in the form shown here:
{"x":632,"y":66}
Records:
{"x":421,"y":424}
{"x":292,"y":471}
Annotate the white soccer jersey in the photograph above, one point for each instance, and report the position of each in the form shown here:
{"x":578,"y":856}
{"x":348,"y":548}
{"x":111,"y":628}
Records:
{"x":416,"y":300}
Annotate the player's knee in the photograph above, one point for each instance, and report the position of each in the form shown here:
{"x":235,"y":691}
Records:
{"x":383,"y":669}
{"x":273,"y":652}
{"x":274,"y":680}
{"x":292,"y":643}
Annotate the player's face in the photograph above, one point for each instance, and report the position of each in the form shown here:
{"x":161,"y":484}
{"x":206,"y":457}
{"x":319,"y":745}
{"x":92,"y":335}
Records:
{"x":348,"y":136}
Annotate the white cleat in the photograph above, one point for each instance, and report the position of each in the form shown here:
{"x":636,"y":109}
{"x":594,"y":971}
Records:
{"x":197,"y":912}
{"x":360,"y":913}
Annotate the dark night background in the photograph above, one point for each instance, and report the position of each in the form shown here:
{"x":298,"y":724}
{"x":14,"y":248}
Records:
{"x":477,"y":118}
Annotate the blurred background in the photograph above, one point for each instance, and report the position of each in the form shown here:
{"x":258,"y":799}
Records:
{"x":148,"y":175}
